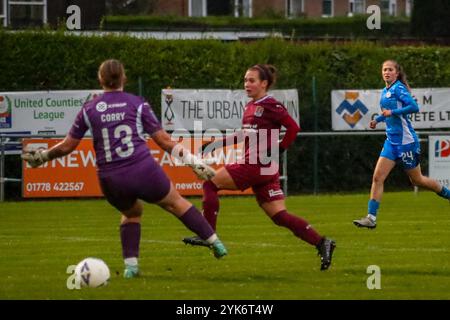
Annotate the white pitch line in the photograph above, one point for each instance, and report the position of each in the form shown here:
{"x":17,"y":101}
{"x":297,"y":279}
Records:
{"x":171,"y":242}
{"x":246,"y":244}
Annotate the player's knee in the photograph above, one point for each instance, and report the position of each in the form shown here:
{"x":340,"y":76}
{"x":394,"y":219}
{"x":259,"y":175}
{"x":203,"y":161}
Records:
{"x":130,"y":219}
{"x":417,"y":181}
{"x":178,"y":205}
{"x":378,"y":179}
{"x":133,"y":212}
{"x":170,"y":206}
{"x":129,"y":214}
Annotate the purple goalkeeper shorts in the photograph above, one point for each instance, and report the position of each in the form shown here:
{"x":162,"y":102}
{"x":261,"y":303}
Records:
{"x":144,"y":180}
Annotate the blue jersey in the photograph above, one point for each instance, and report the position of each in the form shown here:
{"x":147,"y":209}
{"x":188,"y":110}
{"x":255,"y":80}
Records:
{"x":398,"y":99}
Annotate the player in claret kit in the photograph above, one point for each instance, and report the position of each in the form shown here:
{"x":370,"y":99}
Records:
{"x":127,"y":171}
{"x":263,"y":118}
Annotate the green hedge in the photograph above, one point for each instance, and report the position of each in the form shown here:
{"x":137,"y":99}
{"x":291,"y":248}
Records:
{"x":431,"y":18}
{"x":40,"y":61}
{"x":298,"y":28}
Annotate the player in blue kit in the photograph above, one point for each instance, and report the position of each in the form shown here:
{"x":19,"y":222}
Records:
{"x":126,"y":169}
{"x":401,"y":146}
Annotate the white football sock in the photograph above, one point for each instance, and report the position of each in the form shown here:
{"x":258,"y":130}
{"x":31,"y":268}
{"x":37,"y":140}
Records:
{"x":211,"y":239}
{"x":131,"y":261}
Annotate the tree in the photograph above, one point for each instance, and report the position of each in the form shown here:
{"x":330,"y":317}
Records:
{"x":430,"y":18}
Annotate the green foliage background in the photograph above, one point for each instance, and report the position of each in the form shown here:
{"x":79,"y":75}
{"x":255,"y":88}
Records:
{"x":56,"y":61}
{"x":430,"y":18}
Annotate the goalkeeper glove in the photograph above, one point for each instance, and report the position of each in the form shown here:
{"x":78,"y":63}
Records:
{"x":35,"y":158}
{"x":203,"y":171}
{"x":200,"y":168}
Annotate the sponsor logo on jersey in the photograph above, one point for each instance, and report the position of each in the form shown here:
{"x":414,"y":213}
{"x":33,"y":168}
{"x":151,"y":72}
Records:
{"x":101,"y":106}
{"x":274,"y":193}
{"x":259,"y":111}
{"x":250,"y":127}
{"x":352,"y":109}
{"x":117,"y":105}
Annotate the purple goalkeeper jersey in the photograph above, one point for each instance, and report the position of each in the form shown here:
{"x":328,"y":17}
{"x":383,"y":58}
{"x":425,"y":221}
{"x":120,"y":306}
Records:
{"x":118,"y":121}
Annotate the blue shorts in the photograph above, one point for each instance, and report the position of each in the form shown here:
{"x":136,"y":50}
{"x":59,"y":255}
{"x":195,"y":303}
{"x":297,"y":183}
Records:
{"x":407,"y":155}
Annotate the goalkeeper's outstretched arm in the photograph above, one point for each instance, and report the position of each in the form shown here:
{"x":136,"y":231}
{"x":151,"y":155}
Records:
{"x":201,"y":169}
{"x":163,"y":139}
{"x":63,"y":148}
{"x":35,"y":158}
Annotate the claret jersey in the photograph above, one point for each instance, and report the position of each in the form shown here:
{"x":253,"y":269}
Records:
{"x":260,"y":118}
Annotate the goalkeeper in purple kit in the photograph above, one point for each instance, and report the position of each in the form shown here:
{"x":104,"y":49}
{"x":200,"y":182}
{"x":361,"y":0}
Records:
{"x":126,"y":170}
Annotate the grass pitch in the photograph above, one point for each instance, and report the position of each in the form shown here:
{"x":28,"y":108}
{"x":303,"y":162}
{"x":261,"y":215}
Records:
{"x":39,"y":240}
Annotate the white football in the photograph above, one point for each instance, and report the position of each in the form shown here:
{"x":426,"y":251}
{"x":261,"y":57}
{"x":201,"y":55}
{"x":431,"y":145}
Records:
{"x":92,"y":272}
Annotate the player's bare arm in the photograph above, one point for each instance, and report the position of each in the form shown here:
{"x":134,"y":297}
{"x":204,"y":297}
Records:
{"x":63,"y":148}
{"x":202,"y":170}
{"x":163,"y":139}
{"x":35,"y":158}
